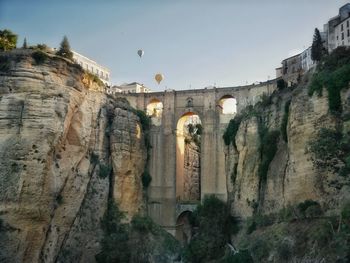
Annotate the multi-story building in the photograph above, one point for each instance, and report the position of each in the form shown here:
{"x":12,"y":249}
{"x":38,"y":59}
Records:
{"x":134,"y":87}
{"x":93,"y":67}
{"x":291,"y":69}
{"x":306,"y":61}
{"x":337,"y":29}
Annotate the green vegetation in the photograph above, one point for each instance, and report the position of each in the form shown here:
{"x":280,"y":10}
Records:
{"x":243,"y":256}
{"x":40,"y":57}
{"x":231,"y":130}
{"x":317,"y":48}
{"x":334,"y":75}
{"x":94,"y":158}
{"x":105,"y":170}
{"x":4,"y":64}
{"x":330,"y":145}
{"x":25,"y":46}
{"x":194,"y":133}
{"x":145,"y":122}
{"x":64,"y":50}
{"x":266,"y":100}
{"x":268,"y":149}
{"x":285,"y":121}
{"x":133,"y":242}
{"x":116,"y":236}
{"x":146,"y":179}
{"x":215,"y":225}
{"x":281,"y":84}
{"x":91,"y":76}
{"x":8,"y":40}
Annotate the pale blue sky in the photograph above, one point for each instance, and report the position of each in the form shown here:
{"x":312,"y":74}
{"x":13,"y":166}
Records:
{"x":194,"y":43}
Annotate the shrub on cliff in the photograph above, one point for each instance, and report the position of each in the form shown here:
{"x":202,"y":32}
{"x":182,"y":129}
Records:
{"x":334,"y":75}
{"x":146,"y":179}
{"x":268,"y":149}
{"x":215,"y":226}
{"x":231,"y":131}
{"x":8,"y":40}
{"x":114,"y":247}
{"x":64,"y":50}
{"x":39,"y":57}
{"x":331,"y":150}
{"x":285,"y":121}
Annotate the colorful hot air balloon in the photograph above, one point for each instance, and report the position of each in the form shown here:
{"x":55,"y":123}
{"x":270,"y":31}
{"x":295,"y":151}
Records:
{"x":158,"y":77}
{"x":140,"y":52}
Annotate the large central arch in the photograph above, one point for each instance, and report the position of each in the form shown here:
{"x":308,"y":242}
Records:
{"x":188,"y":132}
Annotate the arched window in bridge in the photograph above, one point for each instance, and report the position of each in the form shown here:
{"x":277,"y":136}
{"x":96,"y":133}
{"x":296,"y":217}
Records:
{"x":228,"y":105}
{"x":155,"y":108}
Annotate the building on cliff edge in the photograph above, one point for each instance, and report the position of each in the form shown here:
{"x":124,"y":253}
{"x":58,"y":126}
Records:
{"x":93,"y":67}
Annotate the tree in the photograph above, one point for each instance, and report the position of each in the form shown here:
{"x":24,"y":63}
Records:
{"x":317,"y":49}
{"x":64,"y":50}
{"x":25,"y":43}
{"x":8,"y":40}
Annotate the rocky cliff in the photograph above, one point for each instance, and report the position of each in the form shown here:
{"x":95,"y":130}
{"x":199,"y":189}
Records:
{"x":65,"y":149}
{"x":291,"y":175}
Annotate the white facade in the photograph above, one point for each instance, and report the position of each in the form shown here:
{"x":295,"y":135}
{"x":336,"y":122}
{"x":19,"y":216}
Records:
{"x":93,"y":67}
{"x":337,"y":30}
{"x":342,"y":33}
{"x":306,"y":62}
{"x":134,"y":88}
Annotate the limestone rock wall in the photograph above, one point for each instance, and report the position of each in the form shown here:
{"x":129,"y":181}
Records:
{"x":56,"y":132}
{"x":292,"y":177}
{"x":192,"y":172}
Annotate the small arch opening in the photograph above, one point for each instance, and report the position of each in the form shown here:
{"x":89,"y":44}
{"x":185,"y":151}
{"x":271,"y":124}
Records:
{"x":183,"y":232}
{"x":228,"y":105}
{"x":155,"y":108}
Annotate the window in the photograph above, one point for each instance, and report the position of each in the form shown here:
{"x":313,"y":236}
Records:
{"x":347,"y":23}
{"x":348,"y":32}
{"x":342,"y":27}
{"x":342,"y":36}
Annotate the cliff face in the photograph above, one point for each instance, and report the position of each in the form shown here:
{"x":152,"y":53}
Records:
{"x":292,"y":176}
{"x":64,"y":149}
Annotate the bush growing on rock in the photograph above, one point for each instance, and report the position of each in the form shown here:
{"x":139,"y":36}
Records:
{"x":215,"y":227}
{"x":8,"y":40}
{"x":39,"y":57}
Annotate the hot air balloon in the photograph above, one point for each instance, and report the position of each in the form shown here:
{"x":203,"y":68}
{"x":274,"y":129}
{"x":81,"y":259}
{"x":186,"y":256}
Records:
{"x":140,"y":52}
{"x":158,"y":77}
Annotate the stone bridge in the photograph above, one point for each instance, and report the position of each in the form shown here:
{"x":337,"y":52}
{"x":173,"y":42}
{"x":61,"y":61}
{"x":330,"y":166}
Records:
{"x":165,"y":193}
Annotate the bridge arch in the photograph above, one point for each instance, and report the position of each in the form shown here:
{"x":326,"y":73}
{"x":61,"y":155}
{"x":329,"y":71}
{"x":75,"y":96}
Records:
{"x":154,"y":109}
{"x":183,"y":229}
{"x":228,"y":104}
{"x":188,"y":142}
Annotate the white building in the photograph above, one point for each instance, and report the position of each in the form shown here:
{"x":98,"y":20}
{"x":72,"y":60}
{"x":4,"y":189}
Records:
{"x":93,"y":67}
{"x":306,"y":62}
{"x":134,"y":87}
{"x":337,"y":29}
